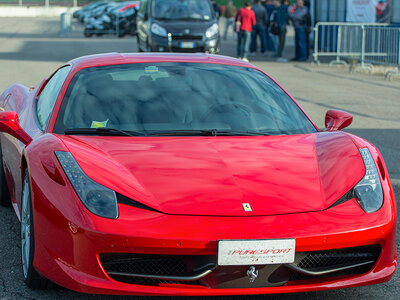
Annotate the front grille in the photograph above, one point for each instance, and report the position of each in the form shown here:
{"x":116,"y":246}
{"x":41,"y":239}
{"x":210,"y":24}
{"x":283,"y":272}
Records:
{"x":159,"y":270}
{"x":126,"y":263}
{"x":333,"y":259}
{"x":187,"y":37}
{"x":123,"y":267}
{"x":187,"y":50}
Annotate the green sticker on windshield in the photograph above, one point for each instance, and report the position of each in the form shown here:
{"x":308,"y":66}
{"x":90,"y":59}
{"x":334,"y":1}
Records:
{"x":96,"y":124}
{"x":151,"y":69}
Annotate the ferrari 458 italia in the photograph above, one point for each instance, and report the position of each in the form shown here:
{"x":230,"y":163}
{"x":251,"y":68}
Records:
{"x":174,"y":174}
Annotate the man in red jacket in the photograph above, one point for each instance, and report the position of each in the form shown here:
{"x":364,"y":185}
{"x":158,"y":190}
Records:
{"x":247,"y":19}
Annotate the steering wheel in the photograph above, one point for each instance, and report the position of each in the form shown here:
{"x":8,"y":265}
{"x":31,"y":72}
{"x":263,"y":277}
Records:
{"x":229,"y":107}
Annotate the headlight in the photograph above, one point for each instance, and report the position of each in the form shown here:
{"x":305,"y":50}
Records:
{"x":158,"y":30}
{"x":97,"y":198}
{"x":212,"y":31}
{"x":369,"y":190}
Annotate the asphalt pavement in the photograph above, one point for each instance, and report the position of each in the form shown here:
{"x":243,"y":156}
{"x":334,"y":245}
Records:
{"x":30,"y":50}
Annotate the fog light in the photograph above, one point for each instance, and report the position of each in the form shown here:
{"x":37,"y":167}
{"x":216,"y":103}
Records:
{"x":212,"y":43}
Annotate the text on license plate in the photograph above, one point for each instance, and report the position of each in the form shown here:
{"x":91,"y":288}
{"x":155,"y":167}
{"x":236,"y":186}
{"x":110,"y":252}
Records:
{"x":255,"y":252}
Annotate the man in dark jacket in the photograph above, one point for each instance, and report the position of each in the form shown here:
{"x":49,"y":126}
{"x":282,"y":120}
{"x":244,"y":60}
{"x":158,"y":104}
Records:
{"x":259,"y":28}
{"x":279,"y":19}
{"x":216,"y":8}
{"x":299,"y":15}
{"x":229,"y":14}
{"x":269,"y":5}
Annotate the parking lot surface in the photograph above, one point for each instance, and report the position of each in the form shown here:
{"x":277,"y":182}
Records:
{"x":31,"y":50}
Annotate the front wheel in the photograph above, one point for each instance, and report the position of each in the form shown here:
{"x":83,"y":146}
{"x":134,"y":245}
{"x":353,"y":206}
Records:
{"x":5,"y":199}
{"x":88,"y":32}
{"x":32,"y":279}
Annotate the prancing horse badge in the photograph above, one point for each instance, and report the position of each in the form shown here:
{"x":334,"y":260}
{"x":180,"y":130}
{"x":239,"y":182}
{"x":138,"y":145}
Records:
{"x":247,"y":207}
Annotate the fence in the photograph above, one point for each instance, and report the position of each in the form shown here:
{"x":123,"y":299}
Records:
{"x":367,"y":44}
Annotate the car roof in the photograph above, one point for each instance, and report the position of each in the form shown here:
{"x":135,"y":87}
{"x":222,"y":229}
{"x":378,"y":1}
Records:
{"x":107,"y":59}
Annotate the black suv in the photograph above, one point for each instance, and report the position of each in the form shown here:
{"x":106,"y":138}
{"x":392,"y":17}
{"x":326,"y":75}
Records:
{"x":177,"y":26}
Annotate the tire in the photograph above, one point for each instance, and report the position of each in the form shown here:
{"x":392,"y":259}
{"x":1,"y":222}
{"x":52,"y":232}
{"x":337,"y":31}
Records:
{"x":138,"y":44}
{"x":88,"y":32}
{"x":5,"y":199}
{"x":121,"y":32}
{"x":32,"y":279}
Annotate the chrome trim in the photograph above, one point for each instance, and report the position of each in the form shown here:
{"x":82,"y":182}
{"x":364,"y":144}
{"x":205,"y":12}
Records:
{"x":324,"y":272}
{"x":178,"y":278}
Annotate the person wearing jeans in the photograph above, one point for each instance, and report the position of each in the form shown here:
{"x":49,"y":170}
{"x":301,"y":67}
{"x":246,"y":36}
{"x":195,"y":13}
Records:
{"x":279,"y":19}
{"x":229,"y":14}
{"x":259,"y":28}
{"x":298,"y":15}
{"x":247,"y":19}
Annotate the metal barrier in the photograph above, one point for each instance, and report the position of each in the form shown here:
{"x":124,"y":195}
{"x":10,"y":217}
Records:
{"x":65,"y":23}
{"x":366,"y":44}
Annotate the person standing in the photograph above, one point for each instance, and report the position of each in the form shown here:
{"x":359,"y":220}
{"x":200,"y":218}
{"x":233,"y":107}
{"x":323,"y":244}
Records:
{"x":259,"y":28}
{"x":229,"y":14}
{"x":269,"y":5}
{"x":279,"y":19}
{"x":216,"y":8}
{"x":247,"y":19}
{"x":299,"y":15}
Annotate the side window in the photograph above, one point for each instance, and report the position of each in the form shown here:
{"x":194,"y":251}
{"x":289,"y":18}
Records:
{"x":49,"y":95}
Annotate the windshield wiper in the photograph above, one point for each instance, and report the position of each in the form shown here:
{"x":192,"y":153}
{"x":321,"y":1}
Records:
{"x":239,"y":133}
{"x":206,"y":132}
{"x":189,"y":132}
{"x":103,"y":131}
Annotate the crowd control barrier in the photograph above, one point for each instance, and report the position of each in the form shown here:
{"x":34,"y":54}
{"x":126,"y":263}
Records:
{"x":367,"y":44}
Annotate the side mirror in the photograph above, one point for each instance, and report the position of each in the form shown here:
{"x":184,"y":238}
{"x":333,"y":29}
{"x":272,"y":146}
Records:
{"x":9,"y":124}
{"x":337,"y":119}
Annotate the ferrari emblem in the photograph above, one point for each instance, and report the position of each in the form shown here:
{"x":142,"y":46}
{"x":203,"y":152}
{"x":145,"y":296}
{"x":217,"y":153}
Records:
{"x":247,"y":207}
{"x":252,"y":273}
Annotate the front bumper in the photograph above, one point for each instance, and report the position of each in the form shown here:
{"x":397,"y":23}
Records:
{"x":76,"y":263}
{"x":188,"y":44}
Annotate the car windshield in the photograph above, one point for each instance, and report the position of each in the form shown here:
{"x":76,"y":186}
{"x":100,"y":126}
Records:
{"x":162,"y":99}
{"x":182,"y":9}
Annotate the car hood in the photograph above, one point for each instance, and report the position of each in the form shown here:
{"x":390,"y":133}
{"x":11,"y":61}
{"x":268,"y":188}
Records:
{"x":180,"y":27}
{"x":216,"y":176}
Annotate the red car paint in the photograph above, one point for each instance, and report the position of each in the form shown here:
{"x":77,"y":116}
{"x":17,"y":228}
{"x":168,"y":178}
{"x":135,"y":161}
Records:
{"x":198,"y":186}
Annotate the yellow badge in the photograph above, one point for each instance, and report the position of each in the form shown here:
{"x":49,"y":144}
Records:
{"x":96,"y":124}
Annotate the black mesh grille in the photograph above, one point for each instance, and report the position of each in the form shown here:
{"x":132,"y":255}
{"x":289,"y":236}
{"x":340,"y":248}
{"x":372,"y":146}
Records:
{"x":166,"y":266}
{"x":187,"y":37}
{"x":332,"y":259}
{"x":187,"y":50}
{"x":154,"y":265}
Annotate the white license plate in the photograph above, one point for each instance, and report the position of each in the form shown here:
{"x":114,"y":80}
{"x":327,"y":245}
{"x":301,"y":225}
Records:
{"x":256,"y":252}
{"x":187,"y":45}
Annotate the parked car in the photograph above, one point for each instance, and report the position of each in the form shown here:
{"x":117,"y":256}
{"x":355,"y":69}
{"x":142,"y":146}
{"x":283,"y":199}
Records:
{"x":195,"y":174}
{"x":109,"y":18}
{"x":177,"y":26}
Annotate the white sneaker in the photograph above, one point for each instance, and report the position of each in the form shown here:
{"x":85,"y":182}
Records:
{"x":245,"y":59}
{"x":281,"y":59}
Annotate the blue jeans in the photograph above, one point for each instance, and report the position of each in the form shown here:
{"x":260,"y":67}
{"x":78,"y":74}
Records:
{"x":301,"y":44}
{"x":243,"y":44}
{"x":260,"y":31}
{"x":270,"y":41}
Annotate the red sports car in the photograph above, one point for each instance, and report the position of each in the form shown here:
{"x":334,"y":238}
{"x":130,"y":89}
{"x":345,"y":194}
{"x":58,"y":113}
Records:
{"x":167,"y":174}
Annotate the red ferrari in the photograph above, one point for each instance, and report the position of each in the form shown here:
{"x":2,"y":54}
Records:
{"x":167,"y":174}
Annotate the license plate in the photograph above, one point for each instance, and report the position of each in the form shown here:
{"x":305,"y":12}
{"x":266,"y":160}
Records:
{"x":187,"y":45}
{"x":256,"y":252}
